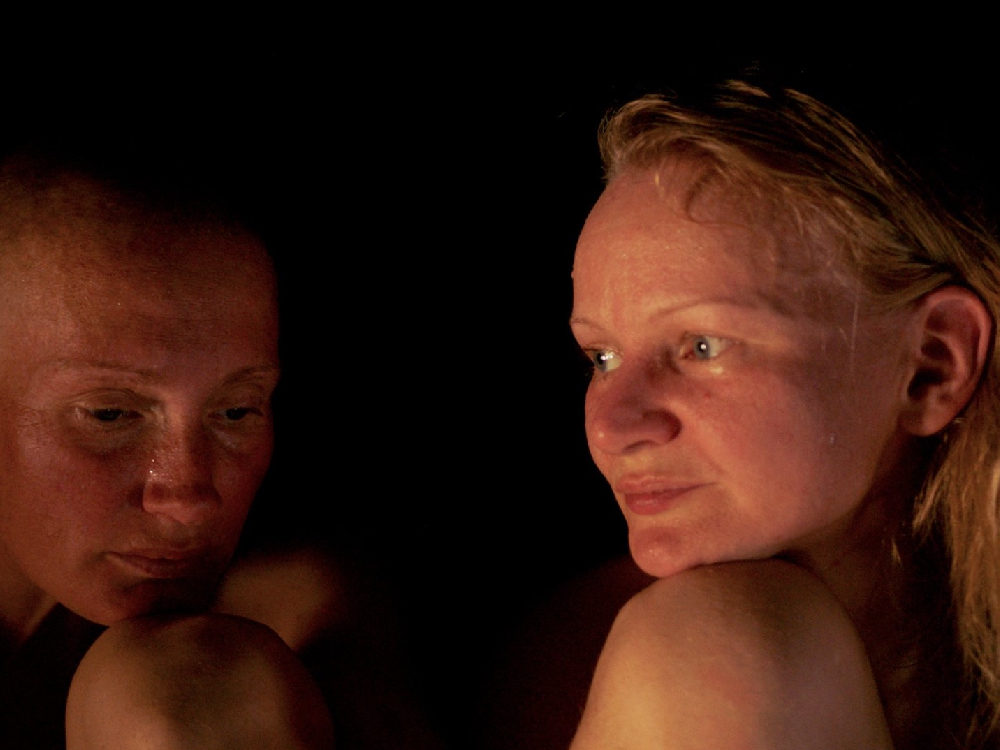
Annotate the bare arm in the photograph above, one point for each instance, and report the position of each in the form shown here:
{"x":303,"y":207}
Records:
{"x":740,"y":655}
{"x":294,"y":638}
{"x":205,"y":681}
{"x":340,"y":618}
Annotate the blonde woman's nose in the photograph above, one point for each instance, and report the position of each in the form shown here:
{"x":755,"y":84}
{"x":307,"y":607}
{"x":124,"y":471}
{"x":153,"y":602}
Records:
{"x":626,"y":411}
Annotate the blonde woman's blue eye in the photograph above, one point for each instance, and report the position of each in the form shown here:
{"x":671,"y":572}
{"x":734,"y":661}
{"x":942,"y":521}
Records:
{"x":704,"y":347}
{"x":604,"y":360}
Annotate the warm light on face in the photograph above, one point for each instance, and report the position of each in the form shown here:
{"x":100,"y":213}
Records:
{"x":135,"y":419}
{"x":743,"y":402}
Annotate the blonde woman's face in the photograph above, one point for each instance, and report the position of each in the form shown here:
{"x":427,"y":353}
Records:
{"x":743,"y":402}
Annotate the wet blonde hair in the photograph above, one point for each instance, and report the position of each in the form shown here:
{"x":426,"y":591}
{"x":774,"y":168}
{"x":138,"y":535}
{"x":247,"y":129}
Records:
{"x":900,"y":242}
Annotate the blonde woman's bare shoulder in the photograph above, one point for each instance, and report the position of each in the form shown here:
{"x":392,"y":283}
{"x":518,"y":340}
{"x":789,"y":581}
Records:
{"x":736,"y":655}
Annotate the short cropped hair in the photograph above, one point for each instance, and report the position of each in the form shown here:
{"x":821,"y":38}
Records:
{"x":124,"y":181}
{"x":49,"y":191}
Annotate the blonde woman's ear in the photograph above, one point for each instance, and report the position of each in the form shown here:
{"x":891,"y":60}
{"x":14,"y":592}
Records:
{"x":953,"y":334}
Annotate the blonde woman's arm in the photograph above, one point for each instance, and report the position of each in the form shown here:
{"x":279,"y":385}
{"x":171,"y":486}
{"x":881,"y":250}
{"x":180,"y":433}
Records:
{"x":737,"y":655}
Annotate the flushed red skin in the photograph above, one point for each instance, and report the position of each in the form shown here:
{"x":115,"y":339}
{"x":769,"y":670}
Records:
{"x":750,"y":402}
{"x":135,"y":427}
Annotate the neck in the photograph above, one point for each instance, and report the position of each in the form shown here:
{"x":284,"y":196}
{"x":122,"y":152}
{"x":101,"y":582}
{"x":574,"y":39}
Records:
{"x":889,"y":593}
{"x":23,"y":606}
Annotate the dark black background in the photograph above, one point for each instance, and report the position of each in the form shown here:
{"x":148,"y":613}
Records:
{"x":422,"y":204}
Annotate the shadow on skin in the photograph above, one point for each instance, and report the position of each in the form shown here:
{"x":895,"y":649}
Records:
{"x":538,"y":689}
{"x":205,"y":681}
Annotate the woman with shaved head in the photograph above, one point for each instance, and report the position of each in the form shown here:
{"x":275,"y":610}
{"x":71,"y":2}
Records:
{"x":138,"y":357}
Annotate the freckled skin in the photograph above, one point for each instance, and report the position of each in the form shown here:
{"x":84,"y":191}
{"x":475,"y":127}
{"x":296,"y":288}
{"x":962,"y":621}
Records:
{"x":136,"y":369}
{"x":748,"y":403}
{"x":783,"y":422}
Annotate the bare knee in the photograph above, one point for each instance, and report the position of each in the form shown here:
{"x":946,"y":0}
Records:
{"x":207,"y":681}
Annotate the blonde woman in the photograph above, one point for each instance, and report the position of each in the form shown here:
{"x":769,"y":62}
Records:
{"x":795,"y":403}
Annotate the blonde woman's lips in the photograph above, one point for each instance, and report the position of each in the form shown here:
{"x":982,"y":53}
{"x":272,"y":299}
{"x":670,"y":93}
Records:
{"x":648,"y":497}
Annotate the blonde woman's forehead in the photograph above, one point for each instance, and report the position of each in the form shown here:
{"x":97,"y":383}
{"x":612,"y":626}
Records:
{"x":673,"y":214}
